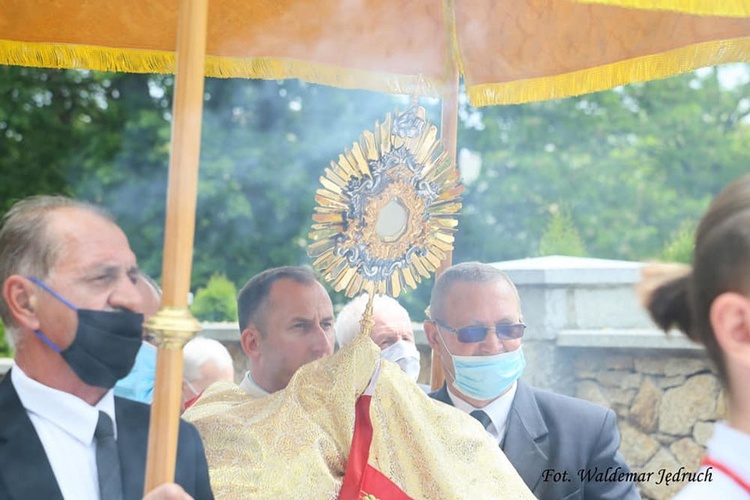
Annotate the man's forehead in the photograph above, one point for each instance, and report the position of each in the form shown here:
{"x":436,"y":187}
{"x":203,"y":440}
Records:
{"x":499,"y":286}
{"x":392,"y":318}
{"x":299,"y":297}
{"x":88,"y":240}
{"x":466,"y":296}
{"x":73,"y":223}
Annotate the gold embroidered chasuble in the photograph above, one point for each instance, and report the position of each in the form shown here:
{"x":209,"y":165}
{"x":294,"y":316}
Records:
{"x":295,"y":443}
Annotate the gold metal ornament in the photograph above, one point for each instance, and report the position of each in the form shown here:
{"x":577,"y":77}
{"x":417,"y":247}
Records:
{"x":172,"y":327}
{"x":387,"y":210}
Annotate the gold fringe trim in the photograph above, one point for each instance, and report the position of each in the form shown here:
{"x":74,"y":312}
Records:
{"x":535,"y":89}
{"x":348,"y":78}
{"x":59,"y":56}
{"x":50,"y":55}
{"x":605,"y":77}
{"x":725,"y":8}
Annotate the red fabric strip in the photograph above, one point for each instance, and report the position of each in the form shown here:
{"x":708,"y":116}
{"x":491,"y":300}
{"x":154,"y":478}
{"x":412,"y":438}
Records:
{"x":710,"y":462}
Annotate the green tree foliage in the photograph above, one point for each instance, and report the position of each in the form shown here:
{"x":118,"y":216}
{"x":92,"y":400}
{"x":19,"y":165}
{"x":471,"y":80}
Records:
{"x":217,"y":301}
{"x":561,"y":237}
{"x":49,"y":121}
{"x":5,"y":350}
{"x":631,"y":164}
{"x":680,"y":247}
{"x":130,"y":176}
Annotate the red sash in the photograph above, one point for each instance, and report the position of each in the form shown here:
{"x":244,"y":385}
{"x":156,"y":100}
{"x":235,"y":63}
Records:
{"x":710,"y":462}
{"x":362,"y":481}
{"x":190,"y":402}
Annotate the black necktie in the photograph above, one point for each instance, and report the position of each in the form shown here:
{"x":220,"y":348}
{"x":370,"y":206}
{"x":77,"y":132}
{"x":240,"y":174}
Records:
{"x":107,"y":460}
{"x":482,"y":417}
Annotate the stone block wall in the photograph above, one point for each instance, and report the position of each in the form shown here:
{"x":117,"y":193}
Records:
{"x":666,"y":405}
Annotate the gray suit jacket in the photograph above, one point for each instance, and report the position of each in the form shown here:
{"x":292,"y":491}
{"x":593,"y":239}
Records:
{"x":27,"y":475}
{"x":552,"y":431}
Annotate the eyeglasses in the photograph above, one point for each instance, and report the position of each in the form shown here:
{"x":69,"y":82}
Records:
{"x":469,"y":334}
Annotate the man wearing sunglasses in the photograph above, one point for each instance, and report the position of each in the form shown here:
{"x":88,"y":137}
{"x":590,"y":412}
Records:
{"x":476,"y":327}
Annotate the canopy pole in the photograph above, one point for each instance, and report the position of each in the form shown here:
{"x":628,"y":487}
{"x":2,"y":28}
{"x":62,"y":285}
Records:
{"x":173,"y":325}
{"x":449,"y":137}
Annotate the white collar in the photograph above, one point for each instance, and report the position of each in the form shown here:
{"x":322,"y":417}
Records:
{"x":498,"y":410}
{"x":730,"y":447}
{"x":66,"y":411}
{"x":251,"y":387}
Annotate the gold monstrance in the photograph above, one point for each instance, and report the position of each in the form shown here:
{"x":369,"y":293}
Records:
{"x":386,"y":213}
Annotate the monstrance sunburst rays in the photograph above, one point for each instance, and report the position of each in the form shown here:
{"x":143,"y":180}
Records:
{"x":386,"y":213}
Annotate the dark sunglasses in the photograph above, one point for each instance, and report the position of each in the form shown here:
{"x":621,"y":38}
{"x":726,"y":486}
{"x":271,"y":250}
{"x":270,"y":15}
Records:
{"x":469,"y":334}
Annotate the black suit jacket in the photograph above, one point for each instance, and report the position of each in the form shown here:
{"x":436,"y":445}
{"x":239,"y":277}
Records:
{"x":25,"y":473}
{"x":552,"y":431}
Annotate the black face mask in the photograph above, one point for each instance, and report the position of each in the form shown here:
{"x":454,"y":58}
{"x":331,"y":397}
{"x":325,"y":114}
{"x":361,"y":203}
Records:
{"x":105,"y":344}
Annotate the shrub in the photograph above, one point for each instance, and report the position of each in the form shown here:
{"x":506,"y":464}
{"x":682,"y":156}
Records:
{"x":680,"y":247}
{"x":561,"y":237}
{"x":217,"y":301}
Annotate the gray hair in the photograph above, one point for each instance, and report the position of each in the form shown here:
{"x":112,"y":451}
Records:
{"x":347,"y":320}
{"x":467,"y":272}
{"x":200,"y":351}
{"x":26,"y":247}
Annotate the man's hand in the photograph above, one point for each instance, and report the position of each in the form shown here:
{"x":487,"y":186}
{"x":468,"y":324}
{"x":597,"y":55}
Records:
{"x":168,"y":491}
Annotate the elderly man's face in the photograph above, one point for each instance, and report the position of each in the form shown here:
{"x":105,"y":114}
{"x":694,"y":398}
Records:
{"x":297,"y":328}
{"x":96,"y":270}
{"x":209,"y":374}
{"x":470,"y":304}
{"x":390,"y":327}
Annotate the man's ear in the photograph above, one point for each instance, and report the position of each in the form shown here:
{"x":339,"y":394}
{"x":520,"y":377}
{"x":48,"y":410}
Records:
{"x":730,"y":319}
{"x":250,"y":341}
{"x":430,"y":331}
{"x":21,"y":297}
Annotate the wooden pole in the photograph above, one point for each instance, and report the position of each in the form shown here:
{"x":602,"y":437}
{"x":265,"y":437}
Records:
{"x":173,"y":324}
{"x":449,"y":136}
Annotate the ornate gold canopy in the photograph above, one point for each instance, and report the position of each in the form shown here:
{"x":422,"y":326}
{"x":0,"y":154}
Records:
{"x":386,"y":213}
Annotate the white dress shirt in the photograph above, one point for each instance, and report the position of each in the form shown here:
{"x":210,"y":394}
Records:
{"x":731,"y":448}
{"x":498,"y":411}
{"x":251,"y":387}
{"x":65,"y":425}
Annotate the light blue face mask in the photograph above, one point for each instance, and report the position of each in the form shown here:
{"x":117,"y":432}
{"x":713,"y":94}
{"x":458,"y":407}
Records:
{"x":138,"y":385}
{"x":486,"y":377}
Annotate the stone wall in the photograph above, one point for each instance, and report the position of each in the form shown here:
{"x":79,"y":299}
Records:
{"x":666,"y":406}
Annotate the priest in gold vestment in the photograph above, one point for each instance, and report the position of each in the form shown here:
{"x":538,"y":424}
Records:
{"x":295,"y":443}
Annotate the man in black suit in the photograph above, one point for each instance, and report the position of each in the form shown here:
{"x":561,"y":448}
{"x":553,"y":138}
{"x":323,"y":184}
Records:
{"x":72,"y":308}
{"x":555,"y":442}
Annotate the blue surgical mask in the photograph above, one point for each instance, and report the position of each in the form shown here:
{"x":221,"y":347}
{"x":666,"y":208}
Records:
{"x":138,"y":385}
{"x":486,"y":377}
{"x":405,"y":355}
